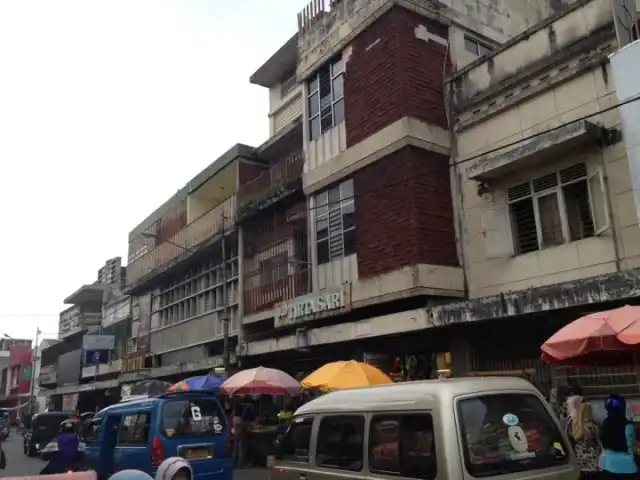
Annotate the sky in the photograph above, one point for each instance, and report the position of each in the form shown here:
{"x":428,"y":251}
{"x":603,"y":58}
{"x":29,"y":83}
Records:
{"x":107,"y":108}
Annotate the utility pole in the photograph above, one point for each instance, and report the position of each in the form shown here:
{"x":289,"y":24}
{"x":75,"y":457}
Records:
{"x":226,"y":354}
{"x":32,"y":384}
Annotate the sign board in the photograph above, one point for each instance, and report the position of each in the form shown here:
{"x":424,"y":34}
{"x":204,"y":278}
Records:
{"x":133,"y":362}
{"x":308,"y":306}
{"x":96,"y":357}
{"x":69,"y":402}
{"x":98,"y":342}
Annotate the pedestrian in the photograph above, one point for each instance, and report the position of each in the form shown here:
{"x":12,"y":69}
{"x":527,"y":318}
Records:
{"x":617,"y":435}
{"x":237,"y":430}
{"x":174,"y":468}
{"x":585,"y":437}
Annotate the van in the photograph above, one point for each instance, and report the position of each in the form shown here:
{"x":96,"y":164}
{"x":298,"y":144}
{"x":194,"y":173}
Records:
{"x":491,"y":428}
{"x":141,"y":433}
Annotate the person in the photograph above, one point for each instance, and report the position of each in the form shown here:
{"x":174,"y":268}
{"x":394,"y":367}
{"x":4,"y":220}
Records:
{"x":573,"y":402}
{"x":617,"y":435}
{"x":237,"y":430}
{"x":174,"y":468}
{"x":65,"y":452}
{"x":586,"y":442}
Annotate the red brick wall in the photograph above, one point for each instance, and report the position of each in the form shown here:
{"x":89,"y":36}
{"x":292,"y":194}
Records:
{"x":404,"y":212}
{"x":399,"y":75}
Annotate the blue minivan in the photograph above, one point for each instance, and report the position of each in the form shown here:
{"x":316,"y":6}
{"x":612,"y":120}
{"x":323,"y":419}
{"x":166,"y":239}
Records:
{"x":141,"y":433}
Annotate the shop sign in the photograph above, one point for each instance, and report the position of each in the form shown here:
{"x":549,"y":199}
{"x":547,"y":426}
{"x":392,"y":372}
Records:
{"x":69,"y":402}
{"x":133,"y":362}
{"x":98,"y":342}
{"x":96,"y":357}
{"x":306,"y":306}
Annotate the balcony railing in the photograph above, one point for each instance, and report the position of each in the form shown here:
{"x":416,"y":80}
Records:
{"x":191,"y":236}
{"x":270,"y":184}
{"x":268,"y":294}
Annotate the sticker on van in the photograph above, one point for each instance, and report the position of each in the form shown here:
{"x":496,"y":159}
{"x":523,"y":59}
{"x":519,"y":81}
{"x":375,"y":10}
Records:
{"x":510,"y":419}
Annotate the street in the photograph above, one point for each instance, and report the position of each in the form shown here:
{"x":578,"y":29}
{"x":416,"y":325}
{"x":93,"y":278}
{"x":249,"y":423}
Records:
{"x":19,"y":464}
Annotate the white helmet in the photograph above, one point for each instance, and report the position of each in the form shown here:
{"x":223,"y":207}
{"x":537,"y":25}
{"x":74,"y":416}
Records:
{"x":171,"y":466}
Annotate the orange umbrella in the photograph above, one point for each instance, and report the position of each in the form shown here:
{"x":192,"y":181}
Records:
{"x":602,"y":332}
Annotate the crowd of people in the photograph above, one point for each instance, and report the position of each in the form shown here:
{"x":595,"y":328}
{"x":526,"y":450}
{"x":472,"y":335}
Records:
{"x":603,"y":451}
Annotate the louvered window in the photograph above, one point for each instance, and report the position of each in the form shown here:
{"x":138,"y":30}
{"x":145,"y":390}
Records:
{"x":557,"y":208}
{"x":335,"y":223}
{"x":326,"y":98}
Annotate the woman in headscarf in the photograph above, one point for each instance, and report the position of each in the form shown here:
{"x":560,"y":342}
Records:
{"x":174,"y":468}
{"x":617,"y":435}
{"x":586,"y":441}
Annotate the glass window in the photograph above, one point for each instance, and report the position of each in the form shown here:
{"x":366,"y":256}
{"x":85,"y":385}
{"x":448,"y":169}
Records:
{"x":295,"y":445}
{"x":326,"y":98}
{"x":508,"y":433}
{"x":92,"y":432}
{"x":403,"y":445}
{"x":134,"y":429}
{"x":340,"y":442}
{"x":193,"y":417}
{"x":335,"y":219}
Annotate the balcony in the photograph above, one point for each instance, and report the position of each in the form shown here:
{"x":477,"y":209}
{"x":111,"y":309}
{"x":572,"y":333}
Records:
{"x":266,"y":295}
{"x":278,"y":181}
{"x":193,"y":235}
{"x":74,"y":319}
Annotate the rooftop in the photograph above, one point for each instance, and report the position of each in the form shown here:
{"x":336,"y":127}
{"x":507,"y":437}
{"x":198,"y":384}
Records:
{"x":280,"y":62}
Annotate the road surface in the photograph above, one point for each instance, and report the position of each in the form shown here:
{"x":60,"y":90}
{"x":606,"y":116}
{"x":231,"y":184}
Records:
{"x":19,"y":464}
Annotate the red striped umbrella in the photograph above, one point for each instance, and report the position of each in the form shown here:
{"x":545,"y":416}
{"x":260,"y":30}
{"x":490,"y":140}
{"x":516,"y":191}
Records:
{"x":261,"y":381}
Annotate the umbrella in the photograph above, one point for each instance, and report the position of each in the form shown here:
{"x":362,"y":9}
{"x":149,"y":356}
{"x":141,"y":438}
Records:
{"x":350,"y":374}
{"x":150,"y":388}
{"x":201,"y":382}
{"x":261,"y":380}
{"x":603,"y":334}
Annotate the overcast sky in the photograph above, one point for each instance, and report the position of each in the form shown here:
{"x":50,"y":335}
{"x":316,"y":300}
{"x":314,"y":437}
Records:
{"x":107,"y":107}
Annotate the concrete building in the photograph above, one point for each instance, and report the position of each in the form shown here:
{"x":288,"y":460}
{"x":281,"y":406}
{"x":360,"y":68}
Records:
{"x":367,"y":101}
{"x":542,"y":189}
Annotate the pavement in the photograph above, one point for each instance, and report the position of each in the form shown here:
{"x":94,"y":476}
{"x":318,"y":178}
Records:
{"x":18,"y":464}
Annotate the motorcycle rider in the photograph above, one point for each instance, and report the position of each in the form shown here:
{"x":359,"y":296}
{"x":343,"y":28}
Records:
{"x":65,"y":452}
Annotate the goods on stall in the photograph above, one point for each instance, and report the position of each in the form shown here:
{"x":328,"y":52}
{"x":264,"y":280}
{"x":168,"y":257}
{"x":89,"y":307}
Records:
{"x":345,"y":374}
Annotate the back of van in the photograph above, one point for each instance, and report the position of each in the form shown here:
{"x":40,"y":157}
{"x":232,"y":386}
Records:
{"x":193,"y":426}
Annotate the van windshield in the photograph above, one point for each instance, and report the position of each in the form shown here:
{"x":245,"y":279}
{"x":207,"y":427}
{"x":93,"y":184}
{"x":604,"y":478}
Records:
{"x":192,"y":417}
{"x":507,"y":433}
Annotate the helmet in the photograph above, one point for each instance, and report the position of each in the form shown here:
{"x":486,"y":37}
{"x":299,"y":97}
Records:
{"x":67,"y":427}
{"x":615,"y":404}
{"x":171,"y":467}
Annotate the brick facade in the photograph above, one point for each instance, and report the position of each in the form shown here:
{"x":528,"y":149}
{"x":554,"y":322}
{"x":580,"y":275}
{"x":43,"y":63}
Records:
{"x":391,"y":74}
{"x":248,"y":172}
{"x":404,"y":213}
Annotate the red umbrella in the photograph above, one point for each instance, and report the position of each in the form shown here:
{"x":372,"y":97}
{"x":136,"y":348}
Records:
{"x":601,"y":333}
{"x":261,"y":381}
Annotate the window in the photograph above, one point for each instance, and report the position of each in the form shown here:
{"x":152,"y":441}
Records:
{"x":326,"y":99}
{"x":288,"y":83}
{"x":403,"y":445}
{"x":92,"y":432}
{"x":477,"y":48}
{"x":557,"y":208}
{"x":274,"y":269}
{"x":295,"y":446}
{"x":340,"y":442}
{"x":195,"y":417}
{"x":508,"y":433}
{"x":335,"y":223}
{"x":134,"y":429}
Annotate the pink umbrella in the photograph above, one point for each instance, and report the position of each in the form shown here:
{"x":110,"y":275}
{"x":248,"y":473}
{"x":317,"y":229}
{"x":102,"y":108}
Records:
{"x":261,"y":381}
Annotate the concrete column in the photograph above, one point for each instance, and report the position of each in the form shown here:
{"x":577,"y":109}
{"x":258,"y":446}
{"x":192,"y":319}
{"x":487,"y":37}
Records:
{"x":459,"y":346}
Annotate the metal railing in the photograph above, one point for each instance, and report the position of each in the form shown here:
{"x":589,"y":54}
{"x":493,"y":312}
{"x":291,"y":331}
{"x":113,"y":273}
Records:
{"x":267,"y":294}
{"x":219,"y":218}
{"x":277,"y":179}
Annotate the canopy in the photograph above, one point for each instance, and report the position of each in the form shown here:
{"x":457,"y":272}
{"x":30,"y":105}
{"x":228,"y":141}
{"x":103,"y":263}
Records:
{"x":345,"y":374}
{"x":261,"y":381}
{"x":601,"y":333}
{"x":201,"y":382}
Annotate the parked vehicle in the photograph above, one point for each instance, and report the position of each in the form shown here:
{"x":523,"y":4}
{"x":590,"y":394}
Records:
{"x":141,"y":433}
{"x":44,"y":428}
{"x":459,"y":428}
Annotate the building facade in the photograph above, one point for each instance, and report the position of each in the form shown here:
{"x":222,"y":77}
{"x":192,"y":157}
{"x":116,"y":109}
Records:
{"x":542,"y":190}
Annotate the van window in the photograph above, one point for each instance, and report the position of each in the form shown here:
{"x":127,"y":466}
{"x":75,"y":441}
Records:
{"x":340,"y":442}
{"x":403,"y":445}
{"x":134,"y":429}
{"x":193,"y":417}
{"x":295,"y":446}
{"x":508,"y":433}
{"x":92,"y":432}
